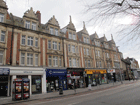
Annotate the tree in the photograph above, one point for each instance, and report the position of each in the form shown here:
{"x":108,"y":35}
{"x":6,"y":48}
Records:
{"x":105,"y":11}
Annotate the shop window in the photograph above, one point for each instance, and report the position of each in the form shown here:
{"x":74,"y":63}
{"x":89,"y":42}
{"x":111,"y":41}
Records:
{"x":27,"y":24}
{"x":30,"y":41}
{"x":1,"y":17}
{"x":56,"y":32}
{"x":23,"y":39}
{"x":29,"y":59}
{"x":1,"y":57}
{"x":33,"y":26}
{"x":36,"y":59}
{"x":2,"y":36}
{"x":22,"y":76}
{"x":36,"y":84}
{"x":36,"y":42}
{"x":50,"y":61}
{"x":54,"y":45}
{"x":22,"y":58}
{"x":51,"y":30}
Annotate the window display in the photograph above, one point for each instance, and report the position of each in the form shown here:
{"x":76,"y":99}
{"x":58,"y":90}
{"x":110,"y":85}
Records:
{"x":36,"y":84}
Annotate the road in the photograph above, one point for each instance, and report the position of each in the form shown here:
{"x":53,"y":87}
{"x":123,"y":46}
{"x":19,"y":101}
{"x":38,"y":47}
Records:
{"x":122,"y":95}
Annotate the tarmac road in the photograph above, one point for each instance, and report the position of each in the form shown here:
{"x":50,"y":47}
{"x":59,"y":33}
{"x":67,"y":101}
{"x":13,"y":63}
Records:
{"x":121,"y":95}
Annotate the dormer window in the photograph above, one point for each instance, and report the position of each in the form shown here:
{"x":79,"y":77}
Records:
{"x":27,"y":24}
{"x":51,"y":30}
{"x":70,"y":36}
{"x":33,"y":26}
{"x":74,"y":37}
{"x":1,"y":17}
{"x":56,"y":32}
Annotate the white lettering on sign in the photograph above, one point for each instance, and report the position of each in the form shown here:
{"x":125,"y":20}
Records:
{"x":27,"y":71}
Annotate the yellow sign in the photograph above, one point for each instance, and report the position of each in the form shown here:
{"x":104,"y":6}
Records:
{"x":88,"y":71}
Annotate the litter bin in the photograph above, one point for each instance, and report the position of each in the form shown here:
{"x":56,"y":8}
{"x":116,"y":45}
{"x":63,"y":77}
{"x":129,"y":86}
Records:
{"x":60,"y":90}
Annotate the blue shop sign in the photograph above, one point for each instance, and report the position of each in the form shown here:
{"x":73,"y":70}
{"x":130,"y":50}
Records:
{"x":4,"y":71}
{"x":56,"y":72}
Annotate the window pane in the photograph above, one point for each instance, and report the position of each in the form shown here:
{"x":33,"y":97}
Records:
{"x":1,"y":17}
{"x":2,"y":36}
{"x":1,"y":57}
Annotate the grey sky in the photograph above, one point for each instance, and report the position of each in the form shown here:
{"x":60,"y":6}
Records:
{"x":63,"y":8}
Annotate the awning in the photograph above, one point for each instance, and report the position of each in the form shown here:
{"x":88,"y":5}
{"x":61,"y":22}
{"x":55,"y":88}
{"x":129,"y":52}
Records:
{"x":91,"y":71}
{"x":56,"y":72}
{"x":4,"y":71}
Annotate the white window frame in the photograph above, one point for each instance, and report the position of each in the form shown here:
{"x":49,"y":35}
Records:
{"x":73,"y":48}
{"x":100,"y":64}
{"x":50,"y":60}
{"x":1,"y":54}
{"x":69,"y":47}
{"x":89,"y":63}
{"x":74,"y":37}
{"x":85,"y":63}
{"x":84,"y":39}
{"x":74,"y":62}
{"x":70,"y":63}
{"x":23,"y":38}
{"x":36,"y":59}
{"x":60,"y":62}
{"x":49,"y":44}
{"x":30,"y":40}
{"x":36,"y":42}
{"x":87,"y":51}
{"x":54,"y":45}
{"x":84,"y":51}
{"x":51,"y":30}
{"x":56,"y":32}
{"x":22,"y":56}
{"x":77,"y":49}
{"x":27,"y":24}
{"x":33,"y":26}
{"x":70,"y":35}
{"x":77,"y":62}
{"x":1,"y":17}
{"x":30,"y":57}
{"x":55,"y":61}
{"x":59,"y":46}
{"x":98,"y":53}
{"x":87,"y":40}
{"x":2,"y":35}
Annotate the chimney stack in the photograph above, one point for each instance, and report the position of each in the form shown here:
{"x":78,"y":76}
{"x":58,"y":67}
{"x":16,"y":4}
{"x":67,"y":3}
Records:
{"x":38,"y":16}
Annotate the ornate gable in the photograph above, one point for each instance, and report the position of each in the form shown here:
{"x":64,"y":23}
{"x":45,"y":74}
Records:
{"x":105,"y":38}
{"x":53,"y":21}
{"x":31,"y":14}
{"x":96,"y":36}
{"x":71,"y":25}
{"x":3,"y":4}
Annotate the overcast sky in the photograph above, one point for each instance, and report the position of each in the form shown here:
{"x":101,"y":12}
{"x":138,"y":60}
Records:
{"x":62,"y":9}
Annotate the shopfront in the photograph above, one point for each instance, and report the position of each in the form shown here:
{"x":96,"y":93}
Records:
{"x":75,"y":76}
{"x":35,"y":75}
{"x":95,"y":76}
{"x":56,"y":78}
{"x":4,"y":77}
{"x":111,"y":75}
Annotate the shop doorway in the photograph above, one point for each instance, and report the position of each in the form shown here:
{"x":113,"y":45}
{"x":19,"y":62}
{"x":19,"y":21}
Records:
{"x":3,"y":85}
{"x":52,"y":84}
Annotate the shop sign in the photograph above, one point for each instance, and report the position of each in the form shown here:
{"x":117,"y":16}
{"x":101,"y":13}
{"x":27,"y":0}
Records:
{"x":68,"y":75}
{"x":27,"y":72}
{"x":4,"y":71}
{"x":111,"y":71}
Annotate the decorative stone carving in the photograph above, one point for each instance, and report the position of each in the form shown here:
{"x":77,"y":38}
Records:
{"x":3,"y":4}
{"x":30,"y":13}
{"x":53,"y":21}
{"x":71,"y":25}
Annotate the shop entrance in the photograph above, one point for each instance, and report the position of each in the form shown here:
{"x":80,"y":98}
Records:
{"x":52,"y":84}
{"x":3,"y":85}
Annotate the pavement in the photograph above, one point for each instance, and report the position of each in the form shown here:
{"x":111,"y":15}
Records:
{"x":8,"y":100}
